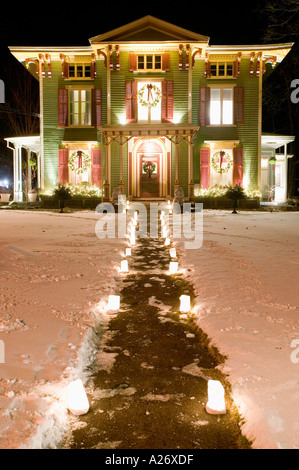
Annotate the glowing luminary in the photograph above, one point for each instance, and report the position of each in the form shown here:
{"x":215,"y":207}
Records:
{"x":132,"y":239}
{"x":172,"y":252}
{"x":216,"y":401}
{"x":163,"y":223}
{"x":128,"y":251}
{"x":185,"y":306}
{"x":168,"y":202}
{"x":136,"y":215}
{"x":77,"y":401}
{"x":113,"y":302}
{"x":124,"y":266}
{"x":162,"y":215}
{"x":128,"y":203}
{"x":173,"y":267}
{"x":164,"y":231}
{"x":167,"y":241}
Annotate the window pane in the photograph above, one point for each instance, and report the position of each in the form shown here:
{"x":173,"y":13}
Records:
{"x":229,"y":70}
{"x":158,"y":62}
{"x":141,"y":62}
{"x":71,"y":70}
{"x":221,"y":70}
{"x":215,"y":107}
{"x":79,"y":71}
{"x":149,"y":61}
{"x":87,"y":71}
{"x":213,"y":70}
{"x":227,"y":106}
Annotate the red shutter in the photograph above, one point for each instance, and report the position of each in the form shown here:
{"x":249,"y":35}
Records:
{"x":166,"y":61}
{"x":63,"y":166}
{"x":65,"y":66}
{"x":132,"y":62}
{"x":167,"y":100}
{"x":204,"y":106}
{"x":96,"y":167}
{"x":131,"y":101}
{"x":238,"y":167}
{"x":62,"y":107}
{"x":239,"y":105}
{"x":97,"y":107}
{"x":204,"y":168}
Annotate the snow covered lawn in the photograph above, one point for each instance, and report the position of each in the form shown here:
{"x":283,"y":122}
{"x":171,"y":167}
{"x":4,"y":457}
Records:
{"x":54,"y":270}
{"x":246,"y":276}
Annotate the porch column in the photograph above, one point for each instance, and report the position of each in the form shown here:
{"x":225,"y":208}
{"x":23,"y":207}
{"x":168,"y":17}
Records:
{"x":285,"y":172}
{"x":107,"y":165}
{"x":121,"y":166}
{"x":18,"y":176}
{"x":38,"y":171}
{"x":190,"y":154}
{"x":176,"y":182}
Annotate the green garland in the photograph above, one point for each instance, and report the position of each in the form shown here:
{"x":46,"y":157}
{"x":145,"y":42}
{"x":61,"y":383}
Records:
{"x":215,"y":164}
{"x":146,"y":169}
{"x":86,"y":163}
{"x":153,"y":103}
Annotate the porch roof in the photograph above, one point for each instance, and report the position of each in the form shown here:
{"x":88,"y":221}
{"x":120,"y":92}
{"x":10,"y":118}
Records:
{"x":168,"y":130}
{"x":30,"y":142}
{"x":275,"y":141}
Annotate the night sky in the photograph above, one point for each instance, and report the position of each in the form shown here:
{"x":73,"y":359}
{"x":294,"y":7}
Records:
{"x":58,"y":24}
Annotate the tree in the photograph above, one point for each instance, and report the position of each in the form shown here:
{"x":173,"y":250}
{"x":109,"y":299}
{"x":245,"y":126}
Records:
{"x":235,"y":193}
{"x":63,"y":194}
{"x":280,"y":114}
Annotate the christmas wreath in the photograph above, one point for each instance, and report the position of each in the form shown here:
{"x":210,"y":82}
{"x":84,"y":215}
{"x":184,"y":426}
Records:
{"x":221,"y":162}
{"x":149,"y":168}
{"x":79,"y":162}
{"x":153,"y":95}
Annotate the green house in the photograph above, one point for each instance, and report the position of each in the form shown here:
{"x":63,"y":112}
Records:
{"x":146,"y":108}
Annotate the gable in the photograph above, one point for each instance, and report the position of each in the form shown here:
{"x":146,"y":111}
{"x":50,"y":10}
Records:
{"x":149,"y":28}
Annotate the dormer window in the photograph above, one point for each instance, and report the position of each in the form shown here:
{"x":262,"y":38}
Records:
{"x":79,"y":70}
{"x":224,"y":69}
{"x":149,"y":62}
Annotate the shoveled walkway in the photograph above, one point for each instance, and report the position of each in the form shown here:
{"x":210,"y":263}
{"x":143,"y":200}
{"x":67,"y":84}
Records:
{"x":154,"y":396}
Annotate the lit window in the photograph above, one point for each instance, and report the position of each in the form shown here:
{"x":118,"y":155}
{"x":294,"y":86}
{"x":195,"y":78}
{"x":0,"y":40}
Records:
{"x":221,"y":106}
{"x":224,"y":69}
{"x":79,"y":107}
{"x":79,"y":70}
{"x":149,"y":62}
{"x":149,"y":101}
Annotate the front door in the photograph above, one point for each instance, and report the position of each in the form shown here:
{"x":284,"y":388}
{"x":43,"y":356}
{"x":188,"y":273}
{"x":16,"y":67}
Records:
{"x":149,"y":175}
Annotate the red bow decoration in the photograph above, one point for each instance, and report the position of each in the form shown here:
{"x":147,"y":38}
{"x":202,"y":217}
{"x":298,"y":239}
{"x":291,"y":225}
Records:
{"x":79,"y":153}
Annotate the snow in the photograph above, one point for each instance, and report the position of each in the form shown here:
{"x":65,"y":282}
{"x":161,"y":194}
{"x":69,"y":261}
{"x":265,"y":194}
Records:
{"x":56,"y":276}
{"x":246,"y":275}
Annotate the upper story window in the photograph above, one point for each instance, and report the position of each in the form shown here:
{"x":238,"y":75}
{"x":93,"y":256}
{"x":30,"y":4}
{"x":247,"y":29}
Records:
{"x":149,"y":62}
{"x":224,"y":69}
{"x":221,"y":106}
{"x":79,"y":70}
{"x":79,"y":107}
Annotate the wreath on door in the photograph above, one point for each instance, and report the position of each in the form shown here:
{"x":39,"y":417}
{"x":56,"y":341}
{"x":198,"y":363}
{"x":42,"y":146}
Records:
{"x":79,"y":162}
{"x":149,"y":168}
{"x":221,"y":162}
